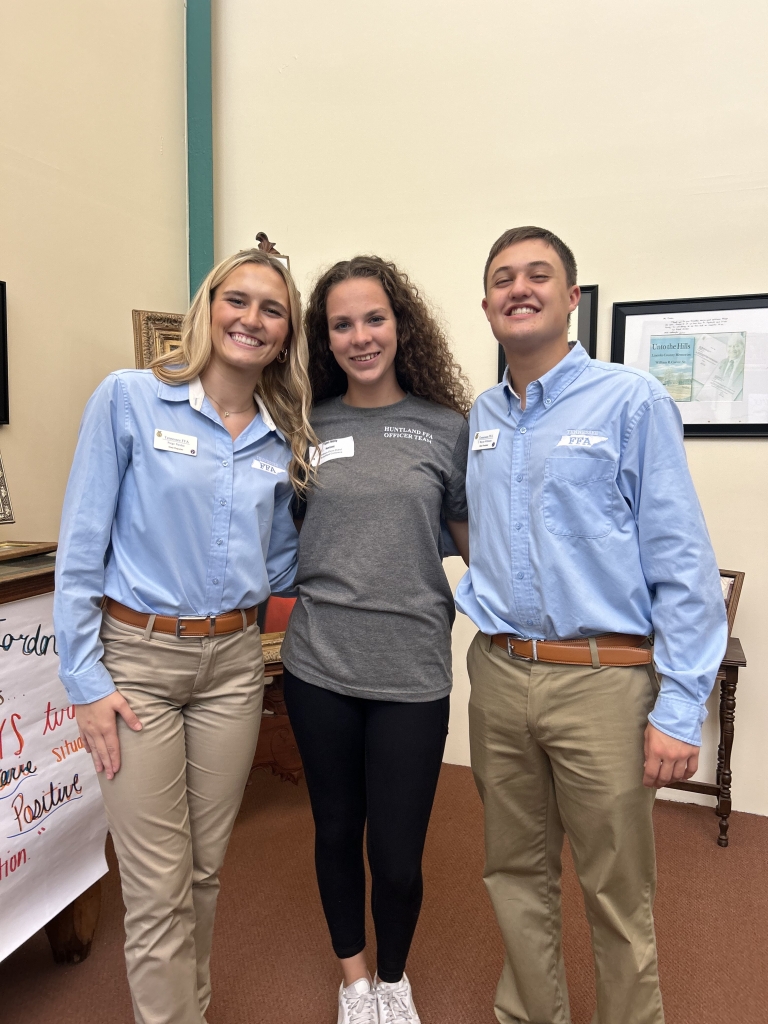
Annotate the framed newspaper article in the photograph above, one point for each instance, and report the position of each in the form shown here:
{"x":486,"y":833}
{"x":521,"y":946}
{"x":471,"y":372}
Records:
{"x":710,"y":354}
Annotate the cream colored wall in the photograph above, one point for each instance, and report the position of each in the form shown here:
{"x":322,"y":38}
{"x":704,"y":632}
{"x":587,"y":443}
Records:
{"x":637,"y":131}
{"x":92,"y":217}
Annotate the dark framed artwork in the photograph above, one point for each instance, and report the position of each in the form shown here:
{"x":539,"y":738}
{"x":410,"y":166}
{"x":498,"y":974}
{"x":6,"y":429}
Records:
{"x":4,"y":409}
{"x":582,"y":328}
{"x":711,"y":354}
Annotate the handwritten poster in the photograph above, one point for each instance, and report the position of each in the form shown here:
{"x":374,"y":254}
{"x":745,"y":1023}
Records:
{"x":52,"y":824}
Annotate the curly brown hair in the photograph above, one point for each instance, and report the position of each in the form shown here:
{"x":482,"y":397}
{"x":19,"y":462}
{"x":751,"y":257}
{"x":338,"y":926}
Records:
{"x":424,"y":364}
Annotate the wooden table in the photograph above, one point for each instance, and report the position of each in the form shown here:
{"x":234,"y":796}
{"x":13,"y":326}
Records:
{"x":276,"y":750}
{"x":721,"y":789}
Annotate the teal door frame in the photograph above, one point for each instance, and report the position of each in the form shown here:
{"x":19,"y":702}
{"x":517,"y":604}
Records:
{"x":199,"y":141}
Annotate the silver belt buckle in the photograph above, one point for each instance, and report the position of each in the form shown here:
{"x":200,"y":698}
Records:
{"x":521,"y":657}
{"x":193,"y":618}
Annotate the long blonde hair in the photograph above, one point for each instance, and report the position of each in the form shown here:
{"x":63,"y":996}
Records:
{"x":283,"y":387}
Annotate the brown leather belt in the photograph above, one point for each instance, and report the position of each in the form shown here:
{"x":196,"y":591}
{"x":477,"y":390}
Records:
{"x":185,"y":625}
{"x":608,"y":649}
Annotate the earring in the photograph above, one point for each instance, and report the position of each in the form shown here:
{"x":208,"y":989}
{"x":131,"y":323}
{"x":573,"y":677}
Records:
{"x":282,"y":356}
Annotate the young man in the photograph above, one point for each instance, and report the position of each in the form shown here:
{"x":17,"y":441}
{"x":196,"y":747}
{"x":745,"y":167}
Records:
{"x":590,"y":565}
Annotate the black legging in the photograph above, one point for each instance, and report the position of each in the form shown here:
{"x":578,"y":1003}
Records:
{"x":376,"y":761}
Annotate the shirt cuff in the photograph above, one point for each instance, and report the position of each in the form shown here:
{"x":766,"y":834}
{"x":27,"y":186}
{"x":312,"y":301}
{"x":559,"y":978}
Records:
{"x":679,"y":719}
{"x":86,"y":687}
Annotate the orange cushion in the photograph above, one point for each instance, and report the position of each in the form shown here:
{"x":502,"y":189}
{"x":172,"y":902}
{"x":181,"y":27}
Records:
{"x":278,"y":612}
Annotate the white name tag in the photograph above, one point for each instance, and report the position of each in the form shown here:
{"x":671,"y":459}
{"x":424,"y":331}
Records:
{"x":483,"y":439}
{"x":339,"y":448}
{"x":182,"y":444}
{"x":267,"y":467}
{"x":580,"y":440}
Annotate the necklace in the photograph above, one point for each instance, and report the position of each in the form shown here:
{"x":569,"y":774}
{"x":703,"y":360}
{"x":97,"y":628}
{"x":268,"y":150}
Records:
{"x":230,"y":412}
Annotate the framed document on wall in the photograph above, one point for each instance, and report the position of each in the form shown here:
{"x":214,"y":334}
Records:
{"x":711,"y":355}
{"x":582,"y":328}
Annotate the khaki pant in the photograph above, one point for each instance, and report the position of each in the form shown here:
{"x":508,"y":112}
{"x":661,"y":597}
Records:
{"x":172,"y":804}
{"x":559,"y":749}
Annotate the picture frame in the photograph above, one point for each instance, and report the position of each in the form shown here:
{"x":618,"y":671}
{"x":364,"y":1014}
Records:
{"x":4,"y":403}
{"x":6,"y":509}
{"x":731,"y":582}
{"x":582,"y":328}
{"x":711,"y":354}
{"x":154,"y":334}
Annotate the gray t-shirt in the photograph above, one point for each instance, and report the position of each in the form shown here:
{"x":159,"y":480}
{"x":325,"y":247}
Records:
{"x":374,"y":612}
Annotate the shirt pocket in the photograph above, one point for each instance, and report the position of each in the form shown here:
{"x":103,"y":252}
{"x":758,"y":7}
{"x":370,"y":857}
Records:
{"x":577,"y":497}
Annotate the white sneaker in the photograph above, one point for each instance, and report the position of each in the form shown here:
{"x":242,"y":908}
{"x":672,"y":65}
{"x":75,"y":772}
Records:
{"x":357,"y":1003}
{"x":395,"y":1002}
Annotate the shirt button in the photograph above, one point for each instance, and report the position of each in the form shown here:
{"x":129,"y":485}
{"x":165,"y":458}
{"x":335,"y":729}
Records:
{"x":523,"y":430}
{"x":215,"y":580}
{"x":518,"y":526}
{"x":519,"y":478}
{"x":219,"y":541}
{"x":547,"y":401}
{"x":529,"y":622}
{"x":520,"y":575}
{"x":225,"y":463}
{"x":223,"y":501}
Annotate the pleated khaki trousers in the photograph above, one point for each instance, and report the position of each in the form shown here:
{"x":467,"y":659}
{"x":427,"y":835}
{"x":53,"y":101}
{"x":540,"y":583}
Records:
{"x":172,"y":804}
{"x":558,"y":749}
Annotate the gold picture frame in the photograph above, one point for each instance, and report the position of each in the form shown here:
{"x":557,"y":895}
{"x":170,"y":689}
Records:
{"x":154,"y":334}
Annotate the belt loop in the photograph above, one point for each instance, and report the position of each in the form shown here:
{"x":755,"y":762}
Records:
{"x":593,"y":651}
{"x":212,"y":625}
{"x":149,"y":627}
{"x":245,"y":620}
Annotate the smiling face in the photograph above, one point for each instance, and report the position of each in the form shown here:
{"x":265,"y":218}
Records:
{"x":250,"y":319}
{"x":528,"y":298}
{"x":362,"y":332}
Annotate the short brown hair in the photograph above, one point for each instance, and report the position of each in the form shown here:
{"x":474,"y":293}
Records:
{"x":515,"y":235}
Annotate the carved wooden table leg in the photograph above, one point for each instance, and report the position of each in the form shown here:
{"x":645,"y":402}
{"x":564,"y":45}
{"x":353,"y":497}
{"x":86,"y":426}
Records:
{"x":728,"y":712}
{"x":721,"y":746}
{"x":71,"y":932}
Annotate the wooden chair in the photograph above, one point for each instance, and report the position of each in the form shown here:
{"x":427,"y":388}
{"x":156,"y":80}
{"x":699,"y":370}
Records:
{"x":728,"y":677}
{"x":276,"y":750}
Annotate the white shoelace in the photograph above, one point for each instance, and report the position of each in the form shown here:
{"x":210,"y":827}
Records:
{"x":362,"y":1008}
{"x":396,"y":1006}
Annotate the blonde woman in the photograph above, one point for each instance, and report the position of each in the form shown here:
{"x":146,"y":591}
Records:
{"x":176,"y":524}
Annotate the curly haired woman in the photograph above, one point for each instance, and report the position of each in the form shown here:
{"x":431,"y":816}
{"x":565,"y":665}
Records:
{"x":368,"y":649}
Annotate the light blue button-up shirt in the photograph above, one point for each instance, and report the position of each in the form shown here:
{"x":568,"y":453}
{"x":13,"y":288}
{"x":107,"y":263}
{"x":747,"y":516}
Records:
{"x":162,"y":531}
{"x":584,"y":520}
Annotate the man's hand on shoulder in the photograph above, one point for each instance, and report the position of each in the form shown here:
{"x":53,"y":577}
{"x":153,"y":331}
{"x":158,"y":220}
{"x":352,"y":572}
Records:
{"x":667,"y":759}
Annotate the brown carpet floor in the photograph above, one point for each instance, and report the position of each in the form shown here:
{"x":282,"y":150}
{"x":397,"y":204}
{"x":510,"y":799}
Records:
{"x":273,"y":964}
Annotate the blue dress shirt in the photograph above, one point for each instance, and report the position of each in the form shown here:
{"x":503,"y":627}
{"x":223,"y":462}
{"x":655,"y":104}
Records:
{"x":163,"y":531}
{"x":584,"y":520}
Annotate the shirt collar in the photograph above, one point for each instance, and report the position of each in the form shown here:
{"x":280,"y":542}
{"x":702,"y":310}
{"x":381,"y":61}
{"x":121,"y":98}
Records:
{"x":195,"y":394}
{"x":556,"y":380}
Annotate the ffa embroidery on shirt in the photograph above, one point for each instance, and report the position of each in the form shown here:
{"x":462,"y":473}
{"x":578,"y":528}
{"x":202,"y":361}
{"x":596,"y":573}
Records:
{"x":168,"y":441}
{"x":483,"y":439}
{"x":408,"y":434}
{"x":581,"y":439}
{"x":338,"y":448}
{"x":266,"y":467}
